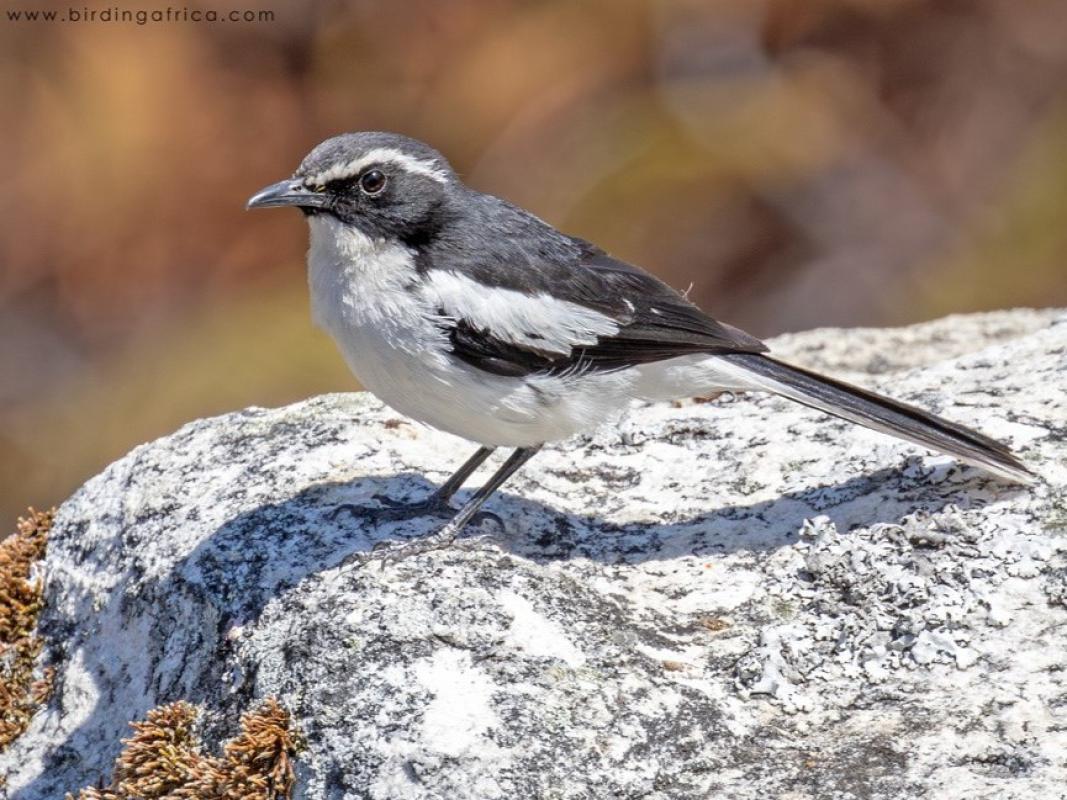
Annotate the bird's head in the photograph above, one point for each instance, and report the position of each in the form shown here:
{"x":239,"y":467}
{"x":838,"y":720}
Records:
{"x":386,"y":185}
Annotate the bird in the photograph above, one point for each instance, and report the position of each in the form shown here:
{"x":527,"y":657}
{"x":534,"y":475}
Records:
{"x":476,"y":317}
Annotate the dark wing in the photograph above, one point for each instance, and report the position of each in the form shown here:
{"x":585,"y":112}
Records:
{"x":662,"y":323}
{"x":594,"y":314}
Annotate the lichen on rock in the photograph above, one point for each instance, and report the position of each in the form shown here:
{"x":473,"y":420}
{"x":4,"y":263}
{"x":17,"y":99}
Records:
{"x":739,"y":598}
{"x":163,"y":759}
{"x":24,"y":685}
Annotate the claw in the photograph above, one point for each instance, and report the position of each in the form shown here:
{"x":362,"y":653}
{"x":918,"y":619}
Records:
{"x":395,"y":509}
{"x":400,"y":552}
{"x":351,"y":508}
{"x":389,"y":502}
{"x":482,"y":516}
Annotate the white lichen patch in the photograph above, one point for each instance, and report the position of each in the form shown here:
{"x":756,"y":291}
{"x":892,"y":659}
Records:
{"x":458,"y":719}
{"x":532,"y":633}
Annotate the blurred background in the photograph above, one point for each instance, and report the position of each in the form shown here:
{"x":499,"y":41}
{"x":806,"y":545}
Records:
{"x":796,"y":162}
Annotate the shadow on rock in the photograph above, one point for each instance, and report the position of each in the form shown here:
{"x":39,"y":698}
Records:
{"x":266,"y":550}
{"x":228,"y":579}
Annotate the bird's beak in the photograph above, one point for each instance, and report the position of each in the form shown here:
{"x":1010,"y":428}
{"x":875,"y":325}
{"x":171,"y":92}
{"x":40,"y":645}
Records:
{"x":290,"y":192}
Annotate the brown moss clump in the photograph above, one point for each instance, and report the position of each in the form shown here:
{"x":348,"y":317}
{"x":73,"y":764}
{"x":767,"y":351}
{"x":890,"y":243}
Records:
{"x":22,"y":690}
{"x":163,"y":759}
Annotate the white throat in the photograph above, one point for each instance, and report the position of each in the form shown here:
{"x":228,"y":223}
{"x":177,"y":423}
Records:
{"x":354,"y":279}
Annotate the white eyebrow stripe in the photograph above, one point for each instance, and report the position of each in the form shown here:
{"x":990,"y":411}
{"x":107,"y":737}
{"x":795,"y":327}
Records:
{"x":380,"y":155}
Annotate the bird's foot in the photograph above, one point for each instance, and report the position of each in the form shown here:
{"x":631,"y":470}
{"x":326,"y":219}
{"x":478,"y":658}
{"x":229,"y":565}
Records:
{"x":432,"y":506}
{"x":388,"y":553}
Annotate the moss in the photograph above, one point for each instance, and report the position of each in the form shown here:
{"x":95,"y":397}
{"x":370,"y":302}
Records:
{"x":23,"y":688}
{"x":163,"y":759}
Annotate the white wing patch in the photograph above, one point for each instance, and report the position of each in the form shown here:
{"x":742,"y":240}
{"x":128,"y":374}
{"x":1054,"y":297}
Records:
{"x":539,"y":321}
{"x":380,"y":155}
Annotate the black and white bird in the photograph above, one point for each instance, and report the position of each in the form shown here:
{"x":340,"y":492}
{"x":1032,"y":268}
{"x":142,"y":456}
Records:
{"x":473,"y":316}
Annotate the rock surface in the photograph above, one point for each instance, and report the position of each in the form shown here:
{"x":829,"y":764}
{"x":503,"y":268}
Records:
{"x":735,"y":599}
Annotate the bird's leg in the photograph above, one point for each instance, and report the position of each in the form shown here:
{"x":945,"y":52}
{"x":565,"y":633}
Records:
{"x":447,"y":534}
{"x":444,"y":492}
{"x":437,"y":503}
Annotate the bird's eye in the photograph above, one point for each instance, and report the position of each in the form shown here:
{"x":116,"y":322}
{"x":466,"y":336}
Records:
{"x":372,"y":181}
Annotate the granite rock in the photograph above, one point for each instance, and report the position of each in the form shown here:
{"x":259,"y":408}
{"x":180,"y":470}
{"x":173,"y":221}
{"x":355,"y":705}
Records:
{"x":732,"y":598}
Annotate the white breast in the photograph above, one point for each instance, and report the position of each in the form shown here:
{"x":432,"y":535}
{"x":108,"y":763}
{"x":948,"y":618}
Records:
{"x":365,"y":294}
{"x":358,"y":296}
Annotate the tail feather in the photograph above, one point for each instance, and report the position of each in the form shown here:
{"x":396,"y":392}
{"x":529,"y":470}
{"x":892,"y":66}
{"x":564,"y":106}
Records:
{"x":880,"y":413}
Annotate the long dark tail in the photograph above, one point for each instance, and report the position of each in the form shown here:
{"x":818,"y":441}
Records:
{"x":882,"y":414}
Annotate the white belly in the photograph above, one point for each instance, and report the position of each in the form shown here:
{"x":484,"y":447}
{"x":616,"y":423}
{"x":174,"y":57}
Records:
{"x":492,"y":410}
{"x":389,"y":340}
